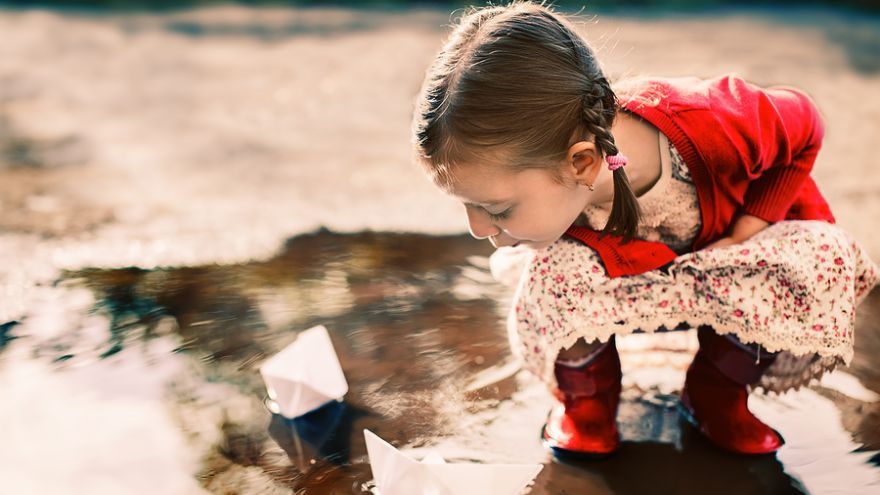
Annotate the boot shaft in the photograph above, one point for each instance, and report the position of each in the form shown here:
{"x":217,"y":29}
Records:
{"x":600,"y":375}
{"x":734,"y":361}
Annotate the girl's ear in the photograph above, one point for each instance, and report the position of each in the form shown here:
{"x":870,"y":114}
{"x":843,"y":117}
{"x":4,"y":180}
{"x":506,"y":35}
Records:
{"x":584,"y":161}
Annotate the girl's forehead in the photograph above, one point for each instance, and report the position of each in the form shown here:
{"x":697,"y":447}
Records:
{"x":483,"y":184}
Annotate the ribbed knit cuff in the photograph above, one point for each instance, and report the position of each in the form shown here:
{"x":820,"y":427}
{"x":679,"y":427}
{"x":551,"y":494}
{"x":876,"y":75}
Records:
{"x":770,"y":196}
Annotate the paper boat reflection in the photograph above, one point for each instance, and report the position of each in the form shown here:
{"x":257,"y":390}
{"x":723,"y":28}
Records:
{"x":397,"y":474}
{"x":304,"y":375}
{"x":323,"y":433}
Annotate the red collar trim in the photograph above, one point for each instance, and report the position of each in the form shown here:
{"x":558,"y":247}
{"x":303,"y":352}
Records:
{"x":633,"y":258}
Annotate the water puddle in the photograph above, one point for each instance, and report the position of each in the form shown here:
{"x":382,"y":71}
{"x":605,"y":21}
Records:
{"x":118,"y":374}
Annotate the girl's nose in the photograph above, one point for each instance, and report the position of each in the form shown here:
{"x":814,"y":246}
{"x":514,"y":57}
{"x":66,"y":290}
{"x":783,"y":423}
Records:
{"x":480,"y":225}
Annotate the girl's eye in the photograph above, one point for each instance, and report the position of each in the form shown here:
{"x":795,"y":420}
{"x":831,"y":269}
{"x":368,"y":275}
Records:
{"x":500,"y":216}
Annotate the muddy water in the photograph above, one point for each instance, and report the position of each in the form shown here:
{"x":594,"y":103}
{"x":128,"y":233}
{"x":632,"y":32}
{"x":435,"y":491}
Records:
{"x":416,"y":322}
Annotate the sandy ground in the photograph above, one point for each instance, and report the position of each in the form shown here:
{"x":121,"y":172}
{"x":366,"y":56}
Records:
{"x":214,"y":134}
{"x":211,"y":136}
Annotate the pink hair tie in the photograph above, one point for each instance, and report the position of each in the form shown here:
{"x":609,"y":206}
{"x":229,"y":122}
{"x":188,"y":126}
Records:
{"x":616,"y":161}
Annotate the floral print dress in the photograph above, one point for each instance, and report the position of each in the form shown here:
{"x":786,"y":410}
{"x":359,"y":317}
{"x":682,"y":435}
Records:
{"x":792,"y":288}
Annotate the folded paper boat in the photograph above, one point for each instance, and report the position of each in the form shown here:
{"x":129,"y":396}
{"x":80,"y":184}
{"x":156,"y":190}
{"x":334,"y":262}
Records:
{"x":304,"y":375}
{"x":396,"y":473}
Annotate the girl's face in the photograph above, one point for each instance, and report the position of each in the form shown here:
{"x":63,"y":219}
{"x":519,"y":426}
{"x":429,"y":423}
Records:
{"x":530,"y":207}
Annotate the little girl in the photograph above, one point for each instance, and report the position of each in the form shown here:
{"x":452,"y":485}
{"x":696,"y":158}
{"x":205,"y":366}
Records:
{"x":659,"y":204}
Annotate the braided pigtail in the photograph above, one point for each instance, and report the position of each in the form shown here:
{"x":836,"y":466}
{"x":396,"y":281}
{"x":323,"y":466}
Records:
{"x":600,"y":109}
{"x":510,"y":88}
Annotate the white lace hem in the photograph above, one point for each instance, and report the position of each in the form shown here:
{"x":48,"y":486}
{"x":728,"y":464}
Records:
{"x":792,"y":288}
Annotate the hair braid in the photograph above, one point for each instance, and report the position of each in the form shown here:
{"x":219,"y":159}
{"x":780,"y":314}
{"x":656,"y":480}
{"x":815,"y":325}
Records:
{"x":599,"y":113}
{"x":509,"y":88}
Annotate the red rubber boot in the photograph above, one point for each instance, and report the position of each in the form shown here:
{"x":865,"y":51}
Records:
{"x":715,"y":395}
{"x":584,"y":422}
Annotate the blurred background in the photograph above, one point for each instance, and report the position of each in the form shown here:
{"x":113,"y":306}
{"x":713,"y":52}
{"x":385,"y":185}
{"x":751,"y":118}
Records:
{"x":185,"y":185}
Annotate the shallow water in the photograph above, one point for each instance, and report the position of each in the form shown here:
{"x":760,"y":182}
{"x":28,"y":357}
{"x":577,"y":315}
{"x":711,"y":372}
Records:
{"x":416,"y":323}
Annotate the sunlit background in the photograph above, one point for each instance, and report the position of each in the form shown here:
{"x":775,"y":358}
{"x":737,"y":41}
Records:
{"x":185,"y":185}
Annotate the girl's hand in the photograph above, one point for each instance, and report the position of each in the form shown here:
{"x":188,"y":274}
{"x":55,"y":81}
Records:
{"x":724,"y":241}
{"x":745,"y":227}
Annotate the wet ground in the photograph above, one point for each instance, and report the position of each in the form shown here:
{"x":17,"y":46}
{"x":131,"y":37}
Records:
{"x":160,"y":181}
{"x":416,"y":322}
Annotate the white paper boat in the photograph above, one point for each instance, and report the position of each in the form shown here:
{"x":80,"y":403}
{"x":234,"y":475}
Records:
{"x":396,"y":473}
{"x":304,"y":375}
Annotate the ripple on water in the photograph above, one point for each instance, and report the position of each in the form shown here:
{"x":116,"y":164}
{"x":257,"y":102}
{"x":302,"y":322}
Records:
{"x":175,"y":352}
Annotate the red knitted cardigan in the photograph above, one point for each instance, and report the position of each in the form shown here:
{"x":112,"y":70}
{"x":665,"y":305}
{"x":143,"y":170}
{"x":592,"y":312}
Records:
{"x":748,"y":150}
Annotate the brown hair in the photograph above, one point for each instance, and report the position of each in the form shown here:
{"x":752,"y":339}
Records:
{"x":516,"y":83}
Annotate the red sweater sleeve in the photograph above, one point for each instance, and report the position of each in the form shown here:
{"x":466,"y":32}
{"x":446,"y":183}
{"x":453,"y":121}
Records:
{"x":777,"y":133}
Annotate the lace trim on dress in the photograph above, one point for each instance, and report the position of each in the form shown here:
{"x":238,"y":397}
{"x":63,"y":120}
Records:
{"x":792,"y":287}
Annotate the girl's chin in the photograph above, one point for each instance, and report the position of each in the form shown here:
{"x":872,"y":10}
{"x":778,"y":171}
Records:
{"x":534,"y":244}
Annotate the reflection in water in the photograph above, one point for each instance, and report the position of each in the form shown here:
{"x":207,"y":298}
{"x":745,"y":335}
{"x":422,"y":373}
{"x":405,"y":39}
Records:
{"x":694,"y":467}
{"x":405,"y":339}
{"x":323,"y":433}
{"x":418,"y":327}
{"x":6,"y":332}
